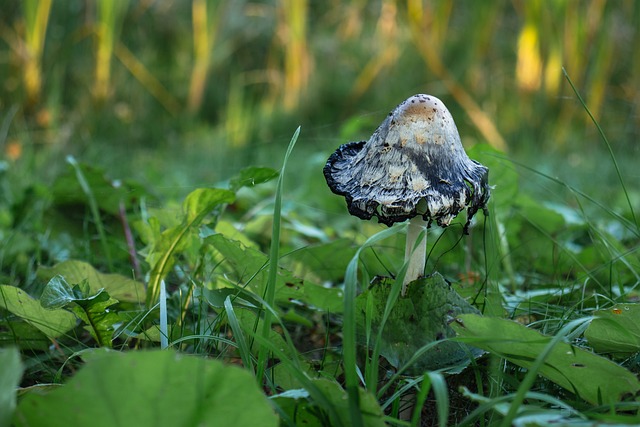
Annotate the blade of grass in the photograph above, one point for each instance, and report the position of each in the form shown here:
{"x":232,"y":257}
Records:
{"x":349,"y":324}
{"x":606,"y":141}
{"x":243,"y":345}
{"x":164,"y":336}
{"x":274,"y":253}
{"x":436,"y":381}
{"x":93,"y":206}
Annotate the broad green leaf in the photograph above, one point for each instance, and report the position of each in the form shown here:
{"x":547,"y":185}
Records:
{"x":23,"y":335}
{"x":10,"y":376}
{"x":67,"y":190}
{"x":249,"y":267}
{"x":196,"y":206}
{"x":326,"y":261}
{"x":91,"y":308}
{"x":202,"y":201}
{"x":421,"y":317}
{"x":252,"y":176}
{"x":616,"y":330}
{"x":119,"y":287}
{"x":593,"y":378}
{"x":151,"y":389}
{"x":53,"y":323}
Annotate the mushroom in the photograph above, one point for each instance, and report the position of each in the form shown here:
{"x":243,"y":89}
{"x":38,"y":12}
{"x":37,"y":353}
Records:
{"x":412,"y":168}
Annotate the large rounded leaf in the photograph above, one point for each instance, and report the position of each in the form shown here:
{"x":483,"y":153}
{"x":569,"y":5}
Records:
{"x":151,"y":389}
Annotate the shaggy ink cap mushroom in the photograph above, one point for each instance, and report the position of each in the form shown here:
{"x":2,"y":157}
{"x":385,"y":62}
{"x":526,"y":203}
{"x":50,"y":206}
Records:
{"x":414,"y":155}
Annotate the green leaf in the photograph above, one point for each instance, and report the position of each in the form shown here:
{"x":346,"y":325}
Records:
{"x":119,"y":287}
{"x":248,"y":265}
{"x":53,"y":323}
{"x":252,"y":176}
{"x":91,"y":308}
{"x":202,"y":201}
{"x":593,"y":378}
{"x":326,"y":261}
{"x":57,"y":293}
{"x":421,"y":317}
{"x":151,"y":389}
{"x":22,"y":334}
{"x":196,"y":206}
{"x":616,"y":330}
{"x":67,"y":189}
{"x":9,"y":380}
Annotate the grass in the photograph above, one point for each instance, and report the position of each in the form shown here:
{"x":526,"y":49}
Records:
{"x":178,"y":119}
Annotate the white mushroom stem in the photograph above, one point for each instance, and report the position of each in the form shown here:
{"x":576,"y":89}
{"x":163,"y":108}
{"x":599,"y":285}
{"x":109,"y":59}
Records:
{"x":415,"y":250}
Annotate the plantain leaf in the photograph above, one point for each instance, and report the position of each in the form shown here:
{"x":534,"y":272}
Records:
{"x":616,"y":331}
{"x":150,"y":389}
{"x":592,"y":377}
{"x":119,"y":287}
{"x":53,"y":323}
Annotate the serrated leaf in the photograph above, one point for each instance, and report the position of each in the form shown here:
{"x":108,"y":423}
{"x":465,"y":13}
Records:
{"x":91,"y":308}
{"x":419,"y":318}
{"x":98,"y":319}
{"x":202,"y":201}
{"x":196,"y":206}
{"x":53,"y":323}
{"x":151,"y":389}
{"x":593,"y":378}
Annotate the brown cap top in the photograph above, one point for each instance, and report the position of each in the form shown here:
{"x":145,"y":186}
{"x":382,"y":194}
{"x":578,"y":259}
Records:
{"x":414,"y":155}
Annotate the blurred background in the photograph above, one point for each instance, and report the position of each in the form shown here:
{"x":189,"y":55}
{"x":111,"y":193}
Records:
{"x":181,"y":94}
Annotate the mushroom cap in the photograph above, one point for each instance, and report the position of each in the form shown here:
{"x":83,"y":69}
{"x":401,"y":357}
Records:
{"x":414,"y":155}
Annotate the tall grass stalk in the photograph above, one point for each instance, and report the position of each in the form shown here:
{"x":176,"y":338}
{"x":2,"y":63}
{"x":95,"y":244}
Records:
{"x":606,"y":142}
{"x":93,"y":206}
{"x":36,"y":18}
{"x":419,"y":26}
{"x":293,"y":32}
{"x":109,"y":19}
{"x":147,"y":79}
{"x":274,"y":257}
{"x":349,"y":328}
{"x":206,"y":18}
{"x":387,"y":44}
